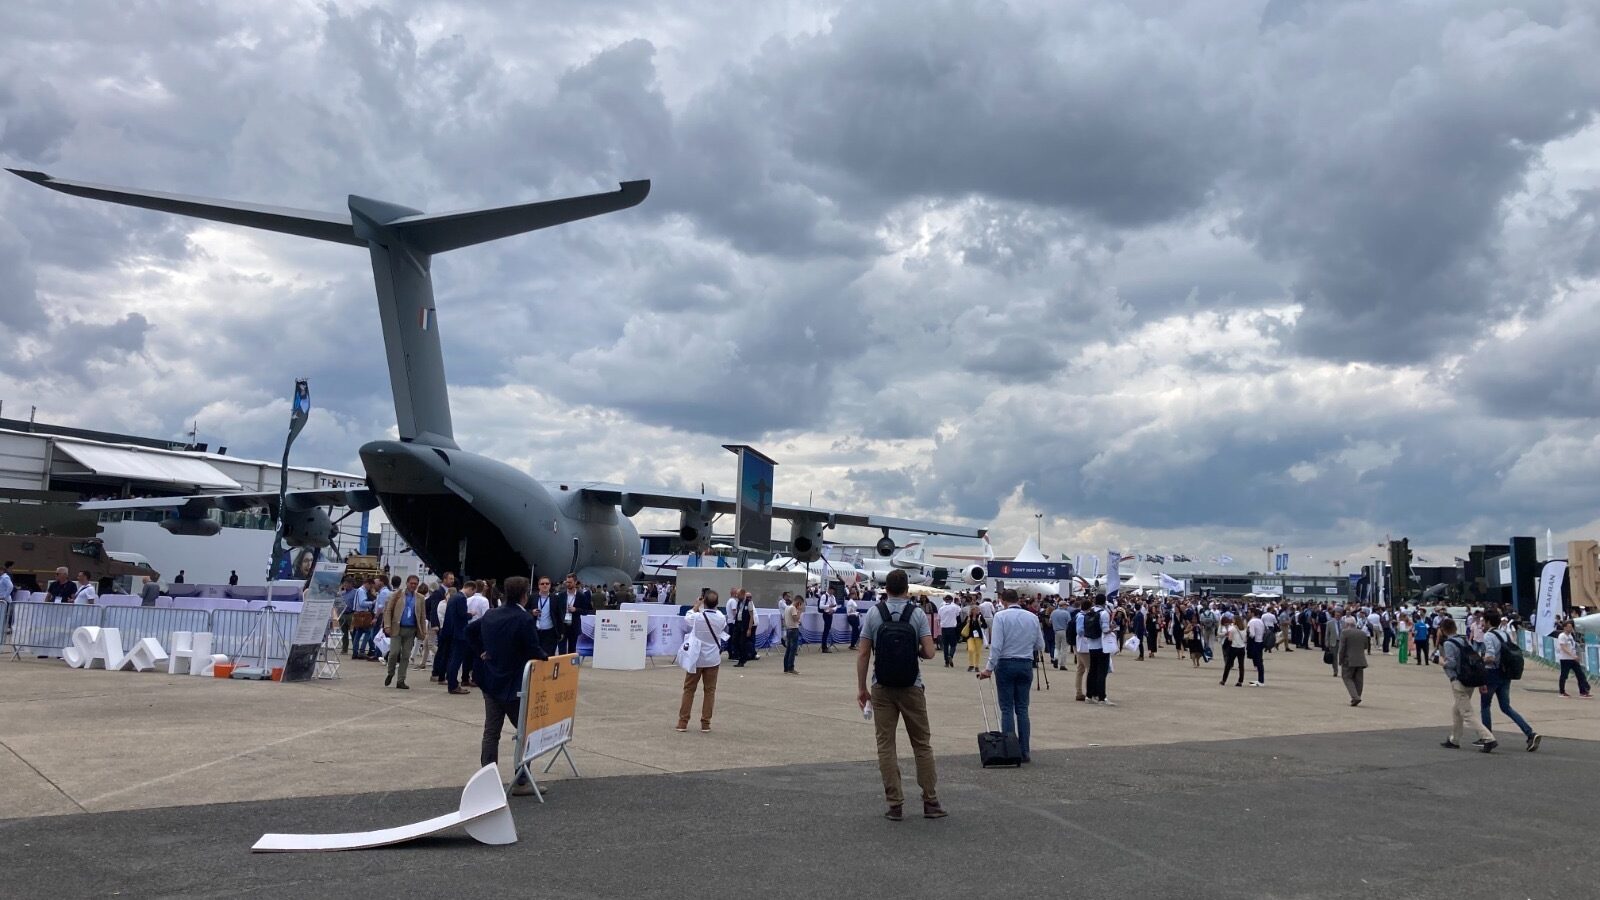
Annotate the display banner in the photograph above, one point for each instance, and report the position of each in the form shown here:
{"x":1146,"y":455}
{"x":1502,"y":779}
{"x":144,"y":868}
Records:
{"x":1550,"y":578}
{"x":1028,"y":571}
{"x":548,"y":705}
{"x":310,"y":630}
{"x":1113,"y":573}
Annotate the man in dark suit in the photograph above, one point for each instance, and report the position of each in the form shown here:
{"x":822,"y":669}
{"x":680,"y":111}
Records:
{"x":549,"y":615}
{"x":502,"y":641}
{"x":456,"y":617}
{"x":578,"y":603}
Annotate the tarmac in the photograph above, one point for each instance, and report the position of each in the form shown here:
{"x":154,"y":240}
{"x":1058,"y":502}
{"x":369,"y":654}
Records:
{"x":156,"y":785}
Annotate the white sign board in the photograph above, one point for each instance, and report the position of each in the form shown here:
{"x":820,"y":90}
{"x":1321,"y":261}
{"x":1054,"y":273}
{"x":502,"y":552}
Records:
{"x":1544,"y":619}
{"x":620,"y":636}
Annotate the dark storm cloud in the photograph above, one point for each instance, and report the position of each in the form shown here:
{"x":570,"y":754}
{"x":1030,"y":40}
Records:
{"x":1387,"y":185}
{"x":1041,"y":235}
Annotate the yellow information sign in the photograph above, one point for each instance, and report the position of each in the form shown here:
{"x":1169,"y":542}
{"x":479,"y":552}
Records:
{"x":549,"y":705}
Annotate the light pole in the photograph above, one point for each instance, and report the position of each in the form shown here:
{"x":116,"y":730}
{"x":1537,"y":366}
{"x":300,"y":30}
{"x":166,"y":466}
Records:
{"x":1271,"y":549}
{"x":1336,"y":563}
{"x":1038,"y":528}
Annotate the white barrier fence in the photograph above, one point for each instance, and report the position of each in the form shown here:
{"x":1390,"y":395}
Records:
{"x":45,"y":629}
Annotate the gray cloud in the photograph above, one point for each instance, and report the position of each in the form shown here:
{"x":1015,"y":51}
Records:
{"x":1109,"y":260}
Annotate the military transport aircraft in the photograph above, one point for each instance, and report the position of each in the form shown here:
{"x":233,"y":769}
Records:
{"x":460,"y":510}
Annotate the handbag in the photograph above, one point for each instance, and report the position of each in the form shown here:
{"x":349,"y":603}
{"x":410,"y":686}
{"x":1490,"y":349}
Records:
{"x":688,"y":656}
{"x":362,"y":620}
{"x":1328,"y":656}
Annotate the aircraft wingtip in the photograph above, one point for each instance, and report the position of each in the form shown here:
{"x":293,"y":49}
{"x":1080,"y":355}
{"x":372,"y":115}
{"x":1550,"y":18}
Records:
{"x":35,"y":177}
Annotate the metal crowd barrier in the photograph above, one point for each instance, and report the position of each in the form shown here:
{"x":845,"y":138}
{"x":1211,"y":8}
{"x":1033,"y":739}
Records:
{"x":137,"y":622}
{"x":45,"y":628}
{"x":239,"y":633}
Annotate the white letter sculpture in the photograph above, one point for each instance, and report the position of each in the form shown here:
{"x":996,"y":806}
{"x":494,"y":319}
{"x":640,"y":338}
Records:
{"x":191,"y":652}
{"x":144,"y":656}
{"x":483,"y":811}
{"x":92,"y":644}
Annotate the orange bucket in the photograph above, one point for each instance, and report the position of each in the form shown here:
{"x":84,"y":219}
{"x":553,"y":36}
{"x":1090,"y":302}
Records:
{"x":277,"y":673}
{"x":223,"y":670}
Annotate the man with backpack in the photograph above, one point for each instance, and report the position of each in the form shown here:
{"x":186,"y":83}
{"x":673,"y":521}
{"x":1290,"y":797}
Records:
{"x":1502,"y":663}
{"x":1464,"y":669}
{"x":1093,"y":624}
{"x":894,"y":636}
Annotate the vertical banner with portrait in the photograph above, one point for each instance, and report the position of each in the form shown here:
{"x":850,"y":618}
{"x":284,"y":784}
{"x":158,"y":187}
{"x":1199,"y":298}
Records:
{"x":752,"y":528}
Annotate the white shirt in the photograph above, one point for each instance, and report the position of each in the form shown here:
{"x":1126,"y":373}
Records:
{"x":542,"y":604}
{"x":987,"y":609}
{"x":851,"y":607}
{"x":949,"y":615}
{"x":828,"y":605}
{"x":1235,"y":637}
{"x":86,"y":594}
{"x":708,"y":625}
{"x":6,"y":587}
{"x":1566,"y":647}
{"x":1374,"y":624}
{"x":1268,"y":620}
{"x":1257,"y":630}
{"x":477,"y":605}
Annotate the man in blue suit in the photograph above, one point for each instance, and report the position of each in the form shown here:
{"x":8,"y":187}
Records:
{"x":502,"y":641}
{"x":578,"y":603}
{"x":456,"y":617}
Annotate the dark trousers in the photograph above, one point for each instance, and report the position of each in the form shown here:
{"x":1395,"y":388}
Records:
{"x":550,"y":640}
{"x":1012,"y":678}
{"x":344,"y":631}
{"x":496,"y":714}
{"x":791,"y":648}
{"x":827,"y":631}
{"x":855,"y":630}
{"x":1253,"y":650}
{"x":1420,"y":647}
{"x":570,"y":635}
{"x":1388,"y":639}
{"x":1571,"y":667}
{"x":458,"y":669}
{"x":1099,"y":664}
{"x":1500,"y":689}
{"x":441,"y":656}
{"x":1230,"y":655}
{"x":948,"y":638}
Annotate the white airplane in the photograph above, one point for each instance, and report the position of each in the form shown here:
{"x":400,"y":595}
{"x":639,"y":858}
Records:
{"x":913,"y":559}
{"x":821,"y":571}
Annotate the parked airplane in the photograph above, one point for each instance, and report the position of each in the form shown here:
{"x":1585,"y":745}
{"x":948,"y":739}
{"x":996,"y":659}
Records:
{"x":461,"y":510}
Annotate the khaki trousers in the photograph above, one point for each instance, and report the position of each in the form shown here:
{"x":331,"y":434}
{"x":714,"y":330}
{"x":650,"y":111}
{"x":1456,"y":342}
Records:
{"x":1083,"y":669}
{"x":400,"y":644}
{"x":889,"y":705}
{"x":1462,"y":710}
{"x":708,"y":677}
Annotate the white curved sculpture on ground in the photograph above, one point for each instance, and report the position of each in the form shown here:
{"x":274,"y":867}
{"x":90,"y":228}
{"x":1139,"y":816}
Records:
{"x":92,"y":644}
{"x":483,"y":811}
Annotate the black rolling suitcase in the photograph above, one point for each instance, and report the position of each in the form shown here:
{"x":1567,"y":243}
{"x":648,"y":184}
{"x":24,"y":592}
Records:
{"x":996,"y":748}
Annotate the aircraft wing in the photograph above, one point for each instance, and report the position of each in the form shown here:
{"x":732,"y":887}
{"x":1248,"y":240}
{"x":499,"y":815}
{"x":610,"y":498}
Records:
{"x":358,"y":499}
{"x":632,"y":500}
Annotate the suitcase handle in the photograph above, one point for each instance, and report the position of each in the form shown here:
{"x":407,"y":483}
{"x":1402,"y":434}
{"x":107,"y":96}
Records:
{"x":984,"y":707}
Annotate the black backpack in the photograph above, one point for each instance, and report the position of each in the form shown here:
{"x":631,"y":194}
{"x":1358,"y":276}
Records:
{"x":1091,"y":625}
{"x":1470,"y":670}
{"x":1510,"y":659}
{"x":895,"y":647}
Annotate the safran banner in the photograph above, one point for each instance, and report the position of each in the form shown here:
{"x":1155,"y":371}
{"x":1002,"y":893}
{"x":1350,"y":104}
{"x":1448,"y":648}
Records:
{"x":1550,"y":578}
{"x":549,"y":705}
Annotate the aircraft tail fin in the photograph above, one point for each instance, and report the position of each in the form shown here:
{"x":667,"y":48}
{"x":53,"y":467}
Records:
{"x":439,"y":232}
{"x":302,"y":223}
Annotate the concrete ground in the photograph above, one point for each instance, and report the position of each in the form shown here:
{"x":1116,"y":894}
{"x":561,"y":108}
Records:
{"x":1183,"y":787}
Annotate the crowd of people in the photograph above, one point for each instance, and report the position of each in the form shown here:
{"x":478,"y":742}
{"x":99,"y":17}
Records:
{"x":477,"y":634}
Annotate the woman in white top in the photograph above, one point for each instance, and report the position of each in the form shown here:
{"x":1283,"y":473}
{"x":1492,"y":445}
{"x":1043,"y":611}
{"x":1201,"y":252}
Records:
{"x":1567,"y":655}
{"x":706,"y":625}
{"x":1232,"y":650}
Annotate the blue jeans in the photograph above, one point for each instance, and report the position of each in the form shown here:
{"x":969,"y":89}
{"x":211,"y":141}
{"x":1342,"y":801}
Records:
{"x":1500,"y":689}
{"x":364,"y":645}
{"x":1012,"y":679}
{"x":791,"y":646}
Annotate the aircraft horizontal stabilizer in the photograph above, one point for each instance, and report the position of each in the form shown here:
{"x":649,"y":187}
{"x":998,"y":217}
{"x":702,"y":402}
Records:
{"x":449,"y":231}
{"x":323,"y":226}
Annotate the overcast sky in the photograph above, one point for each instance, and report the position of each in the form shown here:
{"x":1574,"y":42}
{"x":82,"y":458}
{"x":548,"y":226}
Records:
{"x":1298,"y":273}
